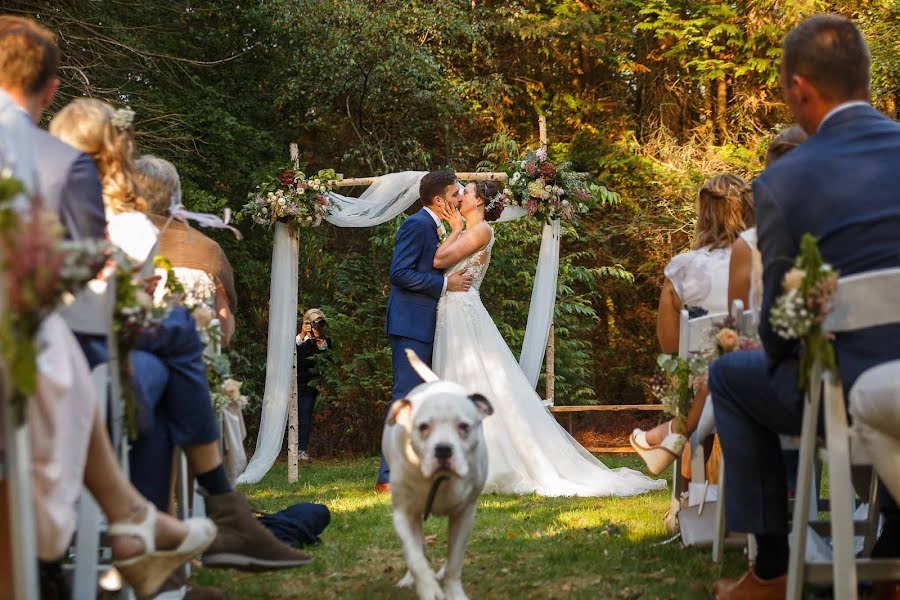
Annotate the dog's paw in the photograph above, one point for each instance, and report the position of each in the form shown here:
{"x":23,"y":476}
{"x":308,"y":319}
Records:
{"x":407,"y":581}
{"x":429,"y":589}
{"x":453,"y":590}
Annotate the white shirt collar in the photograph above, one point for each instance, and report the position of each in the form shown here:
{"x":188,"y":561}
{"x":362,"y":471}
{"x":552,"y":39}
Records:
{"x":437,"y":221}
{"x":841,"y":107}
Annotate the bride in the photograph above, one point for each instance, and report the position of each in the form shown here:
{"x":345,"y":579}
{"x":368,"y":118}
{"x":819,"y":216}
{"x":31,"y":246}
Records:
{"x":529,"y":452}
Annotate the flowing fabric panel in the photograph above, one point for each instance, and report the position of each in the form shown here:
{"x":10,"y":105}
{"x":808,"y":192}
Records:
{"x":280,"y":356}
{"x":543,"y":303}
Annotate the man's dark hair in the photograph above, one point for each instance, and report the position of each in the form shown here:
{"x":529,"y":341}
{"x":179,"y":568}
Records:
{"x":831,"y":53}
{"x":434,"y":184}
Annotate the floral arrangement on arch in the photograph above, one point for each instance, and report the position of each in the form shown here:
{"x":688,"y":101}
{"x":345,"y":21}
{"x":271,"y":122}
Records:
{"x":291,"y":197}
{"x":43,"y":272}
{"x":799,"y":312}
{"x":548,"y":191}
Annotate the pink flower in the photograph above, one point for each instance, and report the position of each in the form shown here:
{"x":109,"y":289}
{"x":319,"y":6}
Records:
{"x":727,"y":339}
{"x":531,"y":206}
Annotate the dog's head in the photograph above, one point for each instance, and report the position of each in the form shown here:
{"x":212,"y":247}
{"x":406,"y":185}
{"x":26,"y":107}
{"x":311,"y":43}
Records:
{"x":444,"y":426}
{"x":443,"y":422}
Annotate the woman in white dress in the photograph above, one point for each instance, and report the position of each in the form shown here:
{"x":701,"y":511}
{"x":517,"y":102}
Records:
{"x":697,"y":278}
{"x":528,"y":451}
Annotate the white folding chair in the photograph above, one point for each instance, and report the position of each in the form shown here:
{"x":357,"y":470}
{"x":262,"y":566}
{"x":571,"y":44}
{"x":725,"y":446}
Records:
{"x":91,"y":314}
{"x":16,"y":470}
{"x":693,"y":337}
{"x":862,"y":301}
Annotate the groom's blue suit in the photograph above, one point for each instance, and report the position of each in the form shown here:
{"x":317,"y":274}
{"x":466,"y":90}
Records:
{"x":416,"y":287}
{"x":842,"y":187}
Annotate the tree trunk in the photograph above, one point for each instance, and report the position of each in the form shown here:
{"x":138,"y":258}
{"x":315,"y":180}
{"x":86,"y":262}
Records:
{"x":707,"y":115}
{"x":721,"y":110}
{"x":890,"y":105}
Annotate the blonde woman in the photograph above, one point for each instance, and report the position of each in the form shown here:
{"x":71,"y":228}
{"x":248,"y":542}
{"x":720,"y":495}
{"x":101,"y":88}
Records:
{"x":170,"y":373}
{"x":697,"y":279}
{"x":313,"y":339}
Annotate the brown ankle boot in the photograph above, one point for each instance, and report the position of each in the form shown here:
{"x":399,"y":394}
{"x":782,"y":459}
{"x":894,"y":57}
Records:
{"x":243,"y":543}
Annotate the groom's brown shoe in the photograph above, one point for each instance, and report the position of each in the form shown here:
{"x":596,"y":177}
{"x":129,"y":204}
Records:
{"x":382,"y":488}
{"x":750,"y":587}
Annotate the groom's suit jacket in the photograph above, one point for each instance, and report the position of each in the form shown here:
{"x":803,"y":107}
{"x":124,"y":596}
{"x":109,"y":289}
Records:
{"x":843,"y":187}
{"x":416,"y":286}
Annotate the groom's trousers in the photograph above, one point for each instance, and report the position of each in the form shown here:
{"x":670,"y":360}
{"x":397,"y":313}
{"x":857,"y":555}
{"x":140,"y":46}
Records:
{"x":405,"y":379}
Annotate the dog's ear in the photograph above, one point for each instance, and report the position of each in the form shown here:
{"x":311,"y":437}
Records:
{"x":482,"y":404}
{"x":400,"y":411}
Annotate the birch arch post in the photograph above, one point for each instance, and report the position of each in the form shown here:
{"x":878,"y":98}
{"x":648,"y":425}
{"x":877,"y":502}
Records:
{"x":280,"y":408}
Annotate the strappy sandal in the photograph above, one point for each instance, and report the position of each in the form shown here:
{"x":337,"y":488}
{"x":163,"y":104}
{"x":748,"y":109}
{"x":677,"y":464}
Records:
{"x":147,"y":572}
{"x":661,"y":456}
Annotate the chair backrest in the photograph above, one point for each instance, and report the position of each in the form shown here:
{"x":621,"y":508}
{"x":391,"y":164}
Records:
{"x":694,"y":334}
{"x":92,"y":310}
{"x":865,"y":300}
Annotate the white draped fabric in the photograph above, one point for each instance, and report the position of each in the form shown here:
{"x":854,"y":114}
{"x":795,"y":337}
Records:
{"x":543,"y":302}
{"x":388,"y":197}
{"x":280,"y":356}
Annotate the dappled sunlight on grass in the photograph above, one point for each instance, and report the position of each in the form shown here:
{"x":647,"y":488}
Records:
{"x":522,"y":546}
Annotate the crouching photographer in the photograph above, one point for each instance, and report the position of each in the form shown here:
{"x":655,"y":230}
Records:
{"x":313,"y":339}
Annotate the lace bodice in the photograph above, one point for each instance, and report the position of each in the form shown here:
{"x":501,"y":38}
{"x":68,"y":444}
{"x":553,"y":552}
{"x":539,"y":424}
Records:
{"x":476,"y":264}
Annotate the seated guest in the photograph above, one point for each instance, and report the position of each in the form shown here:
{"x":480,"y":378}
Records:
{"x":198,"y":261}
{"x":697,"y":278}
{"x":203,"y":269}
{"x":839,"y":186}
{"x":69,"y":444}
{"x":176,"y":408}
{"x":312,"y":340}
{"x":745,"y":268}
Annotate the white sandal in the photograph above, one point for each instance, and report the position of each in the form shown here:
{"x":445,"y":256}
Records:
{"x":661,"y":456}
{"x":146,"y":572}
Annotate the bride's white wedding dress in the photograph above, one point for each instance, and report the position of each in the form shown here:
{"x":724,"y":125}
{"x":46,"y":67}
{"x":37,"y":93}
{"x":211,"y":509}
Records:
{"x":528,"y":451}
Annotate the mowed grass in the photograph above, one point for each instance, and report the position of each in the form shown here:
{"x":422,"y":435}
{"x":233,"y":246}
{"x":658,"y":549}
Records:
{"x":522,"y":546}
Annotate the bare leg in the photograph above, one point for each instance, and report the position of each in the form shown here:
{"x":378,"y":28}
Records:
{"x":203,"y":457}
{"x":656,"y":435}
{"x":119,"y":500}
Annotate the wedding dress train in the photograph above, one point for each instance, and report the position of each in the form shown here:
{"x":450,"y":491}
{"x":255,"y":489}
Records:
{"x":528,"y":451}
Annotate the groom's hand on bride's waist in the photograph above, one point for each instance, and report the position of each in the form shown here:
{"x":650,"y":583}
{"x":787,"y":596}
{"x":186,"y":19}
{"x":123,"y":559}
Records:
{"x":459,"y":282}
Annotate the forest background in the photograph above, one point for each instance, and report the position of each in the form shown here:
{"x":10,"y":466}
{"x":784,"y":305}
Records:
{"x":651,"y":97}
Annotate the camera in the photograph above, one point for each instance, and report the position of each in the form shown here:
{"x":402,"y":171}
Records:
{"x":320,"y":326}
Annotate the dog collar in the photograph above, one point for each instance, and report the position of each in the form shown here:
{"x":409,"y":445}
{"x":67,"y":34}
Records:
{"x":432,"y":493}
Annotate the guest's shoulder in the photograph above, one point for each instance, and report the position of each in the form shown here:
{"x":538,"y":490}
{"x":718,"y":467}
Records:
{"x":53,"y":148}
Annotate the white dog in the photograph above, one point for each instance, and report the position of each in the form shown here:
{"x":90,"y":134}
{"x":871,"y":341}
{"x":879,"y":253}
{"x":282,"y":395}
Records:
{"x":435,"y":449}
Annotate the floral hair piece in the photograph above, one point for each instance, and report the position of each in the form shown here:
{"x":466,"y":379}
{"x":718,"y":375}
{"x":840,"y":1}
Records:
{"x":501,"y":198}
{"x":122,"y":118}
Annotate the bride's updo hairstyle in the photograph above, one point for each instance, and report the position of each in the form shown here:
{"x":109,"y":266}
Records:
{"x":104,"y":134}
{"x":724,"y":210}
{"x":487,"y":191}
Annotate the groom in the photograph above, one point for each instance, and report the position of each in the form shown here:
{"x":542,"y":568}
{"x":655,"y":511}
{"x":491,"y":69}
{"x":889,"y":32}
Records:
{"x":416,"y":287}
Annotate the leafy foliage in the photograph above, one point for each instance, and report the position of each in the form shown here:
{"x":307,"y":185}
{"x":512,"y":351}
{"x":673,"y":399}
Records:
{"x":648,"y":97}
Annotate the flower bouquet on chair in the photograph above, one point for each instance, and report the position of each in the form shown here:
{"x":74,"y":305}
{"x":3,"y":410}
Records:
{"x":42,"y":272}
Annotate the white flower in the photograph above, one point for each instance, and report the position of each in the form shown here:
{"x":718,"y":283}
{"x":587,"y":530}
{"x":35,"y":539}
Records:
{"x":232,"y":388}
{"x":122,"y":118}
{"x":143,"y":299}
{"x":265,"y":210}
{"x":203,"y":315}
{"x":282,"y":201}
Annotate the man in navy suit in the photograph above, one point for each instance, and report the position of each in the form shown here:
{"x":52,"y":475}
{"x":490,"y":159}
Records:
{"x":416,"y":287}
{"x":842,"y":187}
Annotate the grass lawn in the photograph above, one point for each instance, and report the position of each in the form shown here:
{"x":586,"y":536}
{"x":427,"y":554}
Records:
{"x":522,"y":547}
